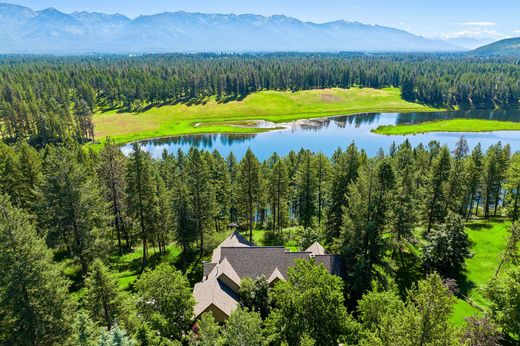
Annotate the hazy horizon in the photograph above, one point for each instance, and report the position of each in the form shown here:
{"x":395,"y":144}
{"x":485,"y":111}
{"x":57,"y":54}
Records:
{"x":464,"y":19}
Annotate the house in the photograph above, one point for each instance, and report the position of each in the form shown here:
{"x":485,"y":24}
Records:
{"x":237,"y":258}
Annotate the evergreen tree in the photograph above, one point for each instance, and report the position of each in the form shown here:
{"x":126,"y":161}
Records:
{"x":345,"y":171}
{"x":457,"y":178}
{"x":111,"y":172}
{"x":102,"y":299}
{"x":141,"y":199}
{"x":84,"y":331}
{"x":10,"y":174}
{"x":513,"y":186}
{"x":474,"y":176}
{"x":184,"y":225}
{"x":115,"y":337}
{"x":201,"y":198}
{"x":30,"y":177}
{"x":491,"y":178}
{"x":403,"y":207}
{"x":278,"y":191}
{"x":436,"y":188}
{"x":306,"y":189}
{"x":74,"y":209}
{"x":34,"y":305}
{"x":322,"y":166}
{"x":248,"y":188}
{"x":222,"y":186}
{"x":365,"y":220}
{"x":503,"y":292}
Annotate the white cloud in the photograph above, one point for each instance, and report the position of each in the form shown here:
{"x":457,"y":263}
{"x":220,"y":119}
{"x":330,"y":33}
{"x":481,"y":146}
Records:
{"x":475,"y":33}
{"x":516,"y":31}
{"x":478,"y":23}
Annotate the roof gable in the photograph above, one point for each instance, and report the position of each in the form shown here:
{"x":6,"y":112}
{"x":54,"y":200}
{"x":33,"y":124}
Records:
{"x":275,"y":276}
{"x":316,"y":249}
{"x":234,"y":240}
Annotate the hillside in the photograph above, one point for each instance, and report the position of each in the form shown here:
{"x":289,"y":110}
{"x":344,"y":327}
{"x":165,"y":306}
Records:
{"x":23,"y":30}
{"x":507,"y":47}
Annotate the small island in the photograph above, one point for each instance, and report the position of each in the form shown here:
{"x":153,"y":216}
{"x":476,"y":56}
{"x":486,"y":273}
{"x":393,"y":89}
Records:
{"x":452,"y":125}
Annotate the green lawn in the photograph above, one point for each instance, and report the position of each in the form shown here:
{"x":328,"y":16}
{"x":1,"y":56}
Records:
{"x":488,"y":243}
{"x":213,"y":117}
{"x":454,"y":125}
{"x":128,"y":266}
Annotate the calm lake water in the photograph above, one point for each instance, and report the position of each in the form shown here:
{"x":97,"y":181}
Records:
{"x":327,"y":134}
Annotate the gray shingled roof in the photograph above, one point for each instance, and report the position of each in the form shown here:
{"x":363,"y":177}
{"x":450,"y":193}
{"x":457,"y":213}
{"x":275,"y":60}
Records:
{"x":234,"y":240}
{"x":257,"y":261}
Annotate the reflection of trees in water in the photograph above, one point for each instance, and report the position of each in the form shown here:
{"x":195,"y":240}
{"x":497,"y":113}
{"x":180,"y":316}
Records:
{"x":236,"y":139}
{"x":341,"y":121}
{"x":206,"y":141}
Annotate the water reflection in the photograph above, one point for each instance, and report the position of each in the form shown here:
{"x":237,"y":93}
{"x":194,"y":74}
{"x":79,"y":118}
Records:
{"x":327,"y":134}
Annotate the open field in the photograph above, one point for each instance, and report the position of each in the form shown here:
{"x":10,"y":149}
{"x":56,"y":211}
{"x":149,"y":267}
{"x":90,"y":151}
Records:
{"x":454,"y":125}
{"x":488,"y":243}
{"x":213,"y":117}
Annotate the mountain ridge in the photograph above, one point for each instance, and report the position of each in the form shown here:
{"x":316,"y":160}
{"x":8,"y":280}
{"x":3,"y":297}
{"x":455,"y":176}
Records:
{"x":505,"y":47}
{"x":23,"y":30}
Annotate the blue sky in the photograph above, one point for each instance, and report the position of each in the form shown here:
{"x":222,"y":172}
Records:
{"x":430,"y":18}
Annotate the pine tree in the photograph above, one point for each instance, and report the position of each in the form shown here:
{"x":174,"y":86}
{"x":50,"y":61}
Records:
{"x":31,"y":177}
{"x":278,"y":190}
{"x":74,"y":209}
{"x":345,"y":171}
{"x":474,"y":176}
{"x":184,"y":225}
{"x":201,"y":199}
{"x":365,"y":220}
{"x":248,"y":188}
{"x":457,"y":178}
{"x":404,"y":213}
{"x":140,"y":196}
{"x":322,"y":165}
{"x":222,"y":186}
{"x":513,"y":186}
{"x":102,"y":298}
{"x":436,"y":188}
{"x":111,"y":172}
{"x":306,"y":189}
{"x":34,"y":303}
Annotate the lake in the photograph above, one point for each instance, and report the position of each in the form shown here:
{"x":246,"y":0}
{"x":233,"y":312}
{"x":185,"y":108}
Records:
{"x":327,"y":134}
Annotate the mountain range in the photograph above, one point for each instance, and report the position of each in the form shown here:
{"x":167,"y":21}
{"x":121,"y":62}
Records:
{"x":23,"y":30}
